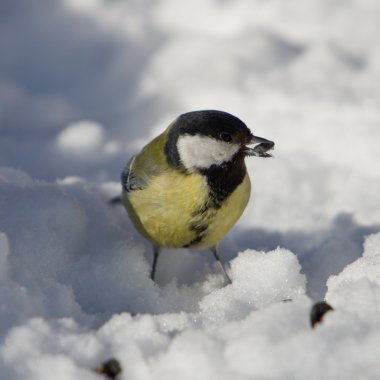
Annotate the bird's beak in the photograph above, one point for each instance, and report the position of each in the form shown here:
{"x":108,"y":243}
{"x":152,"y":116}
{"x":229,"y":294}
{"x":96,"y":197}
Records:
{"x":261,"y":147}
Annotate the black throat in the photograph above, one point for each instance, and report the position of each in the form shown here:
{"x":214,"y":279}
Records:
{"x":225,"y":178}
{"x":222,"y":179}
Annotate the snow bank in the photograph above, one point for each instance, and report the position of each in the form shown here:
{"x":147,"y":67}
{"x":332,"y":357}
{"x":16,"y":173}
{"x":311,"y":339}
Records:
{"x":75,"y":291}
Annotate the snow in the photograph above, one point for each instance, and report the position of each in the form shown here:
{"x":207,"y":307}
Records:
{"x":84,"y":84}
{"x":80,"y":137}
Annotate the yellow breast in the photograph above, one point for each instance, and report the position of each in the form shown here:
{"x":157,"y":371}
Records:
{"x":175,"y":210}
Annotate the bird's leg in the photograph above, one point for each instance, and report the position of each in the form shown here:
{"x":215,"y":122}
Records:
{"x":214,"y":250}
{"x":156,"y":251}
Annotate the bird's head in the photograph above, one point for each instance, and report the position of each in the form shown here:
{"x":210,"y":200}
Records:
{"x":201,"y":139}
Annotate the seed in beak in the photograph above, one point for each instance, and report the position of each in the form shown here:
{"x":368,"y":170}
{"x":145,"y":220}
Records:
{"x":261,"y":148}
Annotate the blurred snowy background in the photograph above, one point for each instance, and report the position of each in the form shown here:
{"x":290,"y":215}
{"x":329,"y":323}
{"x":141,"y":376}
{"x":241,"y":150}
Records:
{"x":84,"y":84}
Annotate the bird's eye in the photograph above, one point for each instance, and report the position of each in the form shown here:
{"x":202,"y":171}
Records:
{"x":226,"y":137}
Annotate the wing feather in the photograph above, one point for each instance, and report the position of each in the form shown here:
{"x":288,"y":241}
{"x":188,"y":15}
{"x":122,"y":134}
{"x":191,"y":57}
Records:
{"x":146,"y":165}
{"x":129,"y":180}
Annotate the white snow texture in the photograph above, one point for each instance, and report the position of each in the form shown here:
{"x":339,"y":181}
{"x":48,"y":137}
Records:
{"x":84,"y":84}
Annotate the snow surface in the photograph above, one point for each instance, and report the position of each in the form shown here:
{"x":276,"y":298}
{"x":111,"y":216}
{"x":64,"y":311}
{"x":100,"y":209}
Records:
{"x":84,"y":84}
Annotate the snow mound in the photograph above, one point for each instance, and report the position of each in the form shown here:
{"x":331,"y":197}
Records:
{"x":357,"y":288}
{"x":80,"y":137}
{"x":258,"y":279}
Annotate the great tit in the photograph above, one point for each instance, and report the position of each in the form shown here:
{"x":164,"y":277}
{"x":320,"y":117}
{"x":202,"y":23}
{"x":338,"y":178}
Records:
{"x":189,"y":185}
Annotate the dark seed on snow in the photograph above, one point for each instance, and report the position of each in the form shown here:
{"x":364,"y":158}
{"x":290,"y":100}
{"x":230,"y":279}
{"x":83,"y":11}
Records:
{"x":110,"y":369}
{"x":317,"y":312}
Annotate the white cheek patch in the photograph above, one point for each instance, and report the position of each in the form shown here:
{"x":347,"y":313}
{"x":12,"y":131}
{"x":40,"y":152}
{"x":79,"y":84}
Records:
{"x":201,"y":152}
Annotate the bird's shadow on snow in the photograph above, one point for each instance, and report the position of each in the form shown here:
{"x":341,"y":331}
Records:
{"x":321,"y":253}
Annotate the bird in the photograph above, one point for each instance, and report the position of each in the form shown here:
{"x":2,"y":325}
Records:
{"x":188,"y":186}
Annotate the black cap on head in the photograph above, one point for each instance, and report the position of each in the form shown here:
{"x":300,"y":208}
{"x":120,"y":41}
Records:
{"x":216,"y":124}
{"x":213,"y":123}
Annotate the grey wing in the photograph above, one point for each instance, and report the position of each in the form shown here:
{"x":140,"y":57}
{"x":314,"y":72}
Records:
{"x":129,"y":180}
